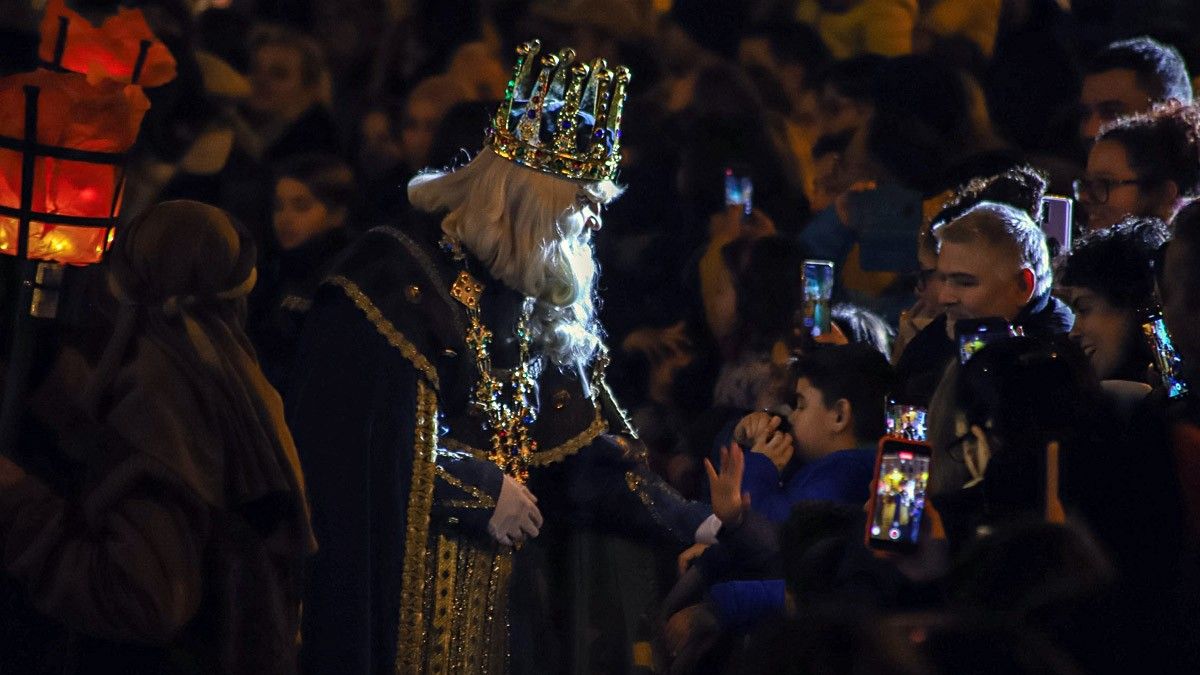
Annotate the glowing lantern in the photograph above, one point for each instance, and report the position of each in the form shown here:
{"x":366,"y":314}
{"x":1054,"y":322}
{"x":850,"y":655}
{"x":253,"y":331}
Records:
{"x":64,"y":131}
{"x":121,"y":48}
{"x":62,"y":144}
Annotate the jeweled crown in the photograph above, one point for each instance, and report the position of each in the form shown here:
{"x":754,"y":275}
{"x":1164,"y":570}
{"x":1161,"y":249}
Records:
{"x":565,"y":121}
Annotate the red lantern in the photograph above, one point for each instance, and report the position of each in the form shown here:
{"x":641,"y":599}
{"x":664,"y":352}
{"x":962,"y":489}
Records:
{"x":64,"y":132}
{"x":122,"y":48}
{"x":62,"y":144}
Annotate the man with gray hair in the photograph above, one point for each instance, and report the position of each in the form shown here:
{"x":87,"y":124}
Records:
{"x":993,"y":262}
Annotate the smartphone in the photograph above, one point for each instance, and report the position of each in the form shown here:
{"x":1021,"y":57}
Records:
{"x":887,"y":220}
{"x":898,"y":498}
{"x":818,"y":291}
{"x":906,"y":422}
{"x":1166,"y":359}
{"x":975,"y":334}
{"x":739,"y":191}
{"x":1057,"y":221}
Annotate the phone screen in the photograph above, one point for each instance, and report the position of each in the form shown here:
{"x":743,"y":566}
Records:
{"x":907,"y":422}
{"x":1166,"y":359}
{"x":975,"y":334}
{"x":1057,"y":219}
{"x":739,"y":191}
{"x":898,"y":502}
{"x":818,"y":290}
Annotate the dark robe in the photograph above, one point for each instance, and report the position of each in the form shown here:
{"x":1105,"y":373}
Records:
{"x":407,"y":578}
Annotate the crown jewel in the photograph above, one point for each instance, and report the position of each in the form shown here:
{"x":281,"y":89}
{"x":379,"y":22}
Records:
{"x":567,"y":120}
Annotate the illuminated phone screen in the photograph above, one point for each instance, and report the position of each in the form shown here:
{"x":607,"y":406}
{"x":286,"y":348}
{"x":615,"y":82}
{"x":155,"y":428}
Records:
{"x":901,"y":478}
{"x":1166,"y":359}
{"x":907,"y":422}
{"x":818,"y":289}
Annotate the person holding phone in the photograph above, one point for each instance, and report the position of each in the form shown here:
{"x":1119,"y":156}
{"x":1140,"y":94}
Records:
{"x":993,"y":262}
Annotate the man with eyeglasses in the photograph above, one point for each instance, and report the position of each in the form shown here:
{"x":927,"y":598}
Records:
{"x":1127,"y":77}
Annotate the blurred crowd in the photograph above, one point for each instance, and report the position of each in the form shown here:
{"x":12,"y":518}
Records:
{"x":915,"y":144}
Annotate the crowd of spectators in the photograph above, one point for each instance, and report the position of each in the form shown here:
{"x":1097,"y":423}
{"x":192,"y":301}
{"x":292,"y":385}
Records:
{"x":910,"y":142}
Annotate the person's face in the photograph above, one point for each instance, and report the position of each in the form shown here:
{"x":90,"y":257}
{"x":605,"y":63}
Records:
{"x":980,"y":281}
{"x":421,"y":119}
{"x":812,"y":421}
{"x":1183,"y":321}
{"x":299,"y":215}
{"x":1101,"y":329}
{"x":1108,"y":174}
{"x":1107,"y":96}
{"x":278,"y":87}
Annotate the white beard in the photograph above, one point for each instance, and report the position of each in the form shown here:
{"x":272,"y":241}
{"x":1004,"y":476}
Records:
{"x":530,"y":230}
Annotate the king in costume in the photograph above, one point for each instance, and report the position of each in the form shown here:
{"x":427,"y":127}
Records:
{"x":452,"y":374}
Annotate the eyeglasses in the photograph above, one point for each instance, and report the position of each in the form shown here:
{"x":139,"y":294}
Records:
{"x":1098,"y":189}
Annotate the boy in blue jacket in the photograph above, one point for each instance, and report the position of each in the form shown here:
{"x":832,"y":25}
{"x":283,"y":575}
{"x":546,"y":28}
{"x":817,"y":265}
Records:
{"x":827,"y":457}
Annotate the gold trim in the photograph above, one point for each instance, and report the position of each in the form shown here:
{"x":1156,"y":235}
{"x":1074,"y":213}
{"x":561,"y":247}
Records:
{"x":386,"y":328}
{"x":482,"y":499}
{"x":464,"y":504}
{"x":544,"y":457}
{"x":411,"y":638}
{"x":459,"y":446}
{"x":444,"y":612}
{"x":572,"y":446}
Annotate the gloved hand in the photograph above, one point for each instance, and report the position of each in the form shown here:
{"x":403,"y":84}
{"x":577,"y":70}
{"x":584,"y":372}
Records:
{"x":516,"y":517}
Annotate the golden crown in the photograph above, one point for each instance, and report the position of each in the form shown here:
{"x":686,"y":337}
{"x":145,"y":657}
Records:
{"x":567,"y":121}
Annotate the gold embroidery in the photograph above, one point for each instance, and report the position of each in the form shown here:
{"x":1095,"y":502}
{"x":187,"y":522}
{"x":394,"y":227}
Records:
{"x":411,"y":639}
{"x":444,"y":612}
{"x":386,"y":328}
{"x":464,"y":504}
{"x":543,"y":457}
{"x":468,"y":587}
{"x":459,"y":446}
{"x":572,"y":446}
{"x":482,"y":499}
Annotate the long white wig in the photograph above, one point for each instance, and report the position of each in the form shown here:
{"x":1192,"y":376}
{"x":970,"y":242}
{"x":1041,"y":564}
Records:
{"x":530,"y":229}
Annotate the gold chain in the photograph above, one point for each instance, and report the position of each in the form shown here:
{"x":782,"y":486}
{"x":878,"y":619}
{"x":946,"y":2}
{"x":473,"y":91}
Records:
{"x":509,"y":419}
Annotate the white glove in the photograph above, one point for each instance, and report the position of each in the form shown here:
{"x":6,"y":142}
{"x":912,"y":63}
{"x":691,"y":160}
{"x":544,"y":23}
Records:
{"x":516,"y":516}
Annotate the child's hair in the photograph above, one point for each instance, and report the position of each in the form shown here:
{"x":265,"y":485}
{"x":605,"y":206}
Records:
{"x":856,"y":372}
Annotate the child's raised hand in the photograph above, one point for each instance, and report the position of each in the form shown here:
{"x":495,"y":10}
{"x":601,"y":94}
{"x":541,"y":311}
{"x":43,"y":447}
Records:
{"x":725,"y":488}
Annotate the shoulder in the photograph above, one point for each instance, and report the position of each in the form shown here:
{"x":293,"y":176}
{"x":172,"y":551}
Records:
{"x":400,"y":284}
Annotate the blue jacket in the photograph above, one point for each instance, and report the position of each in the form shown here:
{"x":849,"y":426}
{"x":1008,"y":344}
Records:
{"x":843,"y":477}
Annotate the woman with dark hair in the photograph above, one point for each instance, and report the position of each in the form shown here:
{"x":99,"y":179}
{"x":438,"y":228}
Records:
{"x":1108,"y":279}
{"x":1143,"y":165}
{"x":314,"y":198}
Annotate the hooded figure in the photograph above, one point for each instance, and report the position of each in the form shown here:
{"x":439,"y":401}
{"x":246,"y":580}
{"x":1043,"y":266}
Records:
{"x":155,"y":513}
